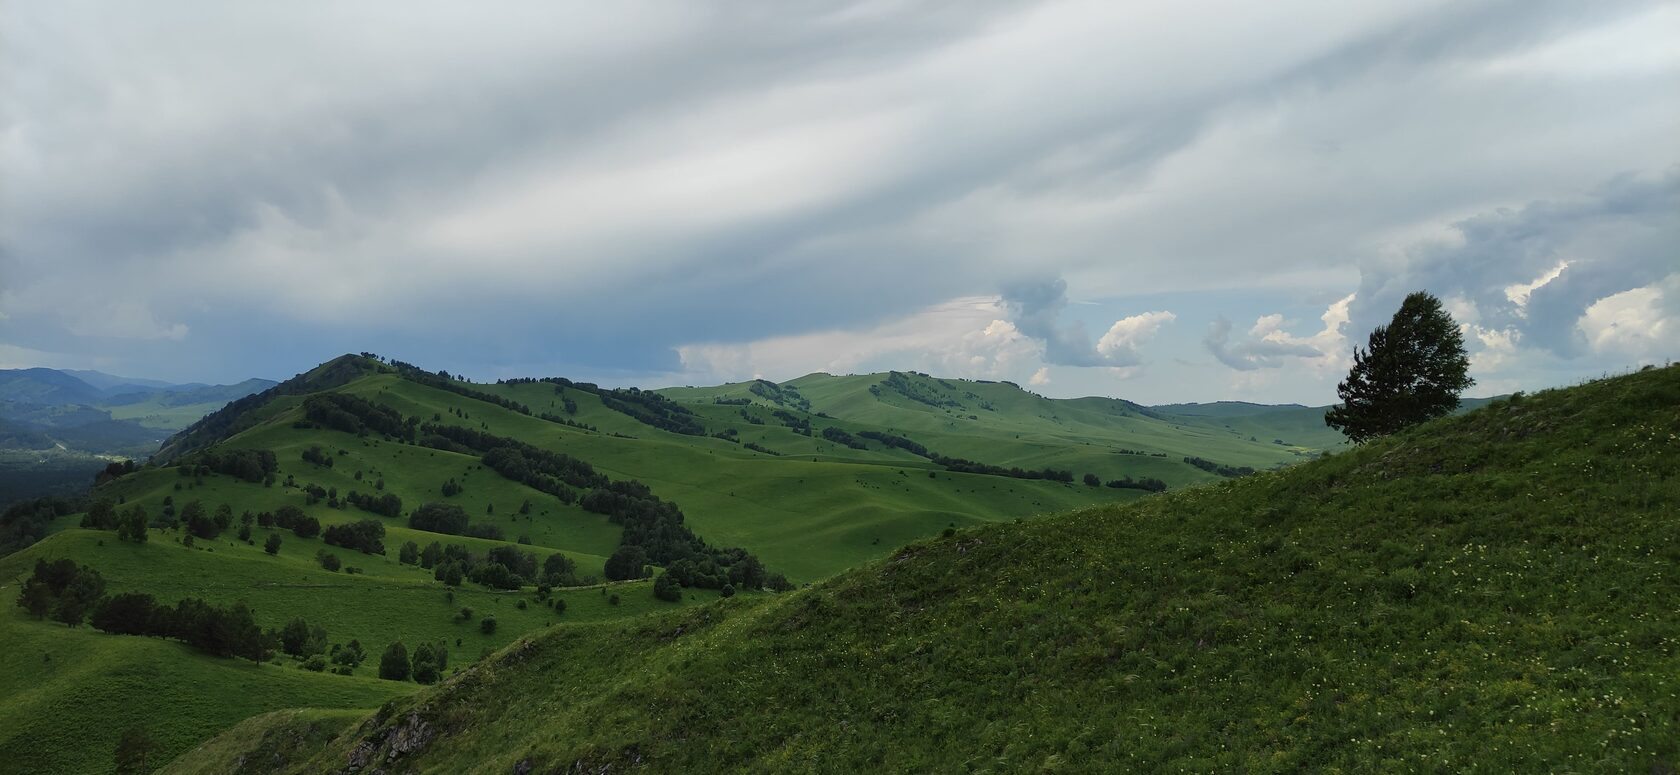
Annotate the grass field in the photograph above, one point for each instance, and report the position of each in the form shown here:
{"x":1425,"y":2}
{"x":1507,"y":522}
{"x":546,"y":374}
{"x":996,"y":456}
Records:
{"x":1489,"y":592}
{"x":810,"y":512}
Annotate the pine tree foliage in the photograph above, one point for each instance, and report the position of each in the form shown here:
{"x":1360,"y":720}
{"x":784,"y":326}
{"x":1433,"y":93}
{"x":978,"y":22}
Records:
{"x":1412,"y":370}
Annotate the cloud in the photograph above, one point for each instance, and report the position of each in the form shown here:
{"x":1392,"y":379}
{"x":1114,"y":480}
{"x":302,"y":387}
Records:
{"x":1534,"y":271}
{"x":1640,"y":323}
{"x":1037,"y":310}
{"x":962,"y":338}
{"x":593,"y":189}
{"x":1120,"y":345}
{"x":1268,"y":345}
{"x":975,"y":337}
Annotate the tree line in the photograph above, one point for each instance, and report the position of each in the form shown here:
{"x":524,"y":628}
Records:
{"x":502,"y":567}
{"x":70,"y":593}
{"x":449,"y":519}
{"x":654,"y":529}
{"x":1216,"y":468}
{"x":960,"y":465}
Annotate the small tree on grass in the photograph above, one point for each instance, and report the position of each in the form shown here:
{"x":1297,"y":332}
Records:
{"x":299,"y":639}
{"x":426,"y":664}
{"x":272,"y":545}
{"x":131,"y":526}
{"x":1412,"y":370}
{"x":487,"y":625}
{"x":666,"y":588}
{"x":393,"y":665}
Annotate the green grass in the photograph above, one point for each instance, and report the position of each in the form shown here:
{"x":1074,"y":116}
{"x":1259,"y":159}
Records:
{"x":64,"y":714}
{"x":279,"y":735}
{"x":813,"y":512}
{"x":1490,"y":592}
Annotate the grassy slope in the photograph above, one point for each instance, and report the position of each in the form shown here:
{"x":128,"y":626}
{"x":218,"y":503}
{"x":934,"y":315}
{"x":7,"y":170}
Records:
{"x":64,"y":715}
{"x":808,"y":517}
{"x":87,"y":690}
{"x":1492,"y":591}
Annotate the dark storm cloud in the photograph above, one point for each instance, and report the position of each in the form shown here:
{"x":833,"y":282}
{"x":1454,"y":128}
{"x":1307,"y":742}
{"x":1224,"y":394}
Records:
{"x":1623,"y":235}
{"x":1036,"y":309}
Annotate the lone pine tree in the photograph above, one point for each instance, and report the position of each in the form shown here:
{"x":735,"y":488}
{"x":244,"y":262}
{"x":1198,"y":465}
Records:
{"x":1412,"y":370}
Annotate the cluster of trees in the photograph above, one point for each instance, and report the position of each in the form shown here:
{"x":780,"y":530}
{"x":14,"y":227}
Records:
{"x":839,"y":436}
{"x":538,"y":468}
{"x":566,"y":421}
{"x":203,"y":524}
{"x":251,"y":465}
{"x":62,"y":589}
{"x":291,"y":518}
{"x":315,"y":456}
{"x":901,"y":384}
{"x":644,"y":406}
{"x":760,"y":448}
{"x":308,"y":643}
{"x":113,"y":471}
{"x":1215,"y":468}
{"x":357,"y":415}
{"x":800,"y":425}
{"x":25,"y":522}
{"x":439,"y":518}
{"x":71,"y":593}
{"x":650,"y":408}
{"x":721,"y":401}
{"x":898,"y":442}
{"x":1146,"y":483}
{"x":426,"y":666}
{"x":503,"y":567}
{"x":743,"y":571}
{"x":785,"y":395}
{"x":960,"y":465}
{"x":441,"y":381}
{"x":450,"y":519}
{"x":212,"y":629}
{"x":752,"y":419}
{"x":389,"y":504}
{"x":131,"y":524}
{"x":366,"y":536}
{"x":652,"y":527}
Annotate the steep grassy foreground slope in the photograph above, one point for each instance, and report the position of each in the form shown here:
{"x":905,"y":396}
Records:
{"x":1496,"y":591}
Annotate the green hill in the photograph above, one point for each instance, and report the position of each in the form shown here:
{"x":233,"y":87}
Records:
{"x":1491,"y":591}
{"x":810,"y":477}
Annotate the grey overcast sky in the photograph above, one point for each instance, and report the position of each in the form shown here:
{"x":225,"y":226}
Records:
{"x":1163,"y":201}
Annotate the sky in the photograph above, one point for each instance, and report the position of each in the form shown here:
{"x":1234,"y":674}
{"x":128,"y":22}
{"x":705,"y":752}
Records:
{"x":1184,"y":201}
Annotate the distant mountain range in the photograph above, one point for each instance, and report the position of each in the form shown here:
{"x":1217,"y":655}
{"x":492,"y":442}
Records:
{"x":58,"y":426}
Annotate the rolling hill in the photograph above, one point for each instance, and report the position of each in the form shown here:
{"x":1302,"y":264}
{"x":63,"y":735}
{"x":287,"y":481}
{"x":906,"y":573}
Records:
{"x":810,"y":478}
{"x":1490,"y":591}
